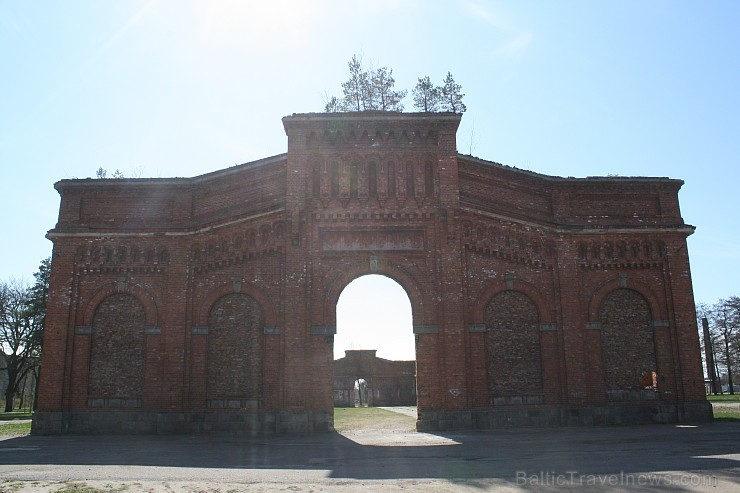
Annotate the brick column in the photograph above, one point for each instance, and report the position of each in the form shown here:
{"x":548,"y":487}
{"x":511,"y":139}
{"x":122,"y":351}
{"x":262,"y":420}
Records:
{"x":664,"y":359}
{"x":296,"y":373}
{"x":197,"y":366}
{"x":478,"y":384}
{"x":428,"y":372}
{"x":153,"y":357}
{"x":453,"y":330}
{"x":80,"y":371}
{"x":57,"y":331}
{"x":579,"y":343}
{"x":550,"y":363}
{"x":685,"y":332}
{"x":174,"y":324}
{"x":271,"y":368}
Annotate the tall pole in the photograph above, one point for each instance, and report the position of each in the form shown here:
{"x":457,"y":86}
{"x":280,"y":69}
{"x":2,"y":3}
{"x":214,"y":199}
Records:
{"x":709,"y":354}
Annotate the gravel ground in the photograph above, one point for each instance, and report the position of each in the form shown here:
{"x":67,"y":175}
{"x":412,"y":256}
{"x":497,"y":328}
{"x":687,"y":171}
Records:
{"x":405,"y":410}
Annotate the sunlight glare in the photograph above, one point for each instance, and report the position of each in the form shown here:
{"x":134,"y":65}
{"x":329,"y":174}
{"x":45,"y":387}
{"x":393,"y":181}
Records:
{"x":254,"y":23}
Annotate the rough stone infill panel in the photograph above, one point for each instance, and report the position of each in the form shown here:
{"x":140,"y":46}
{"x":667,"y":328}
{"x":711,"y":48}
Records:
{"x":117,"y":348}
{"x":235,"y":348}
{"x":627,"y":341}
{"x":513,"y":344}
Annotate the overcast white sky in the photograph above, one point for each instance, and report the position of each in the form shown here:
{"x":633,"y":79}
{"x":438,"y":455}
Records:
{"x":160,"y":88}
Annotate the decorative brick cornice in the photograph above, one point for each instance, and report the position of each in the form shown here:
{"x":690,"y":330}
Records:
{"x":597,"y":229}
{"x":54,"y":234}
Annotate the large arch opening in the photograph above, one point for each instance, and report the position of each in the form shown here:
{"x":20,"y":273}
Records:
{"x":374,"y":348}
{"x":374,"y":312}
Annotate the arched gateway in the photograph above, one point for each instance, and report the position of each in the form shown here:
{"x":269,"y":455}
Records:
{"x":536,"y":299}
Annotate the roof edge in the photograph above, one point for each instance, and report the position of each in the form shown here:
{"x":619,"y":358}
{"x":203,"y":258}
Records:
{"x":374,"y":116}
{"x":570,"y":179}
{"x":158,"y":182}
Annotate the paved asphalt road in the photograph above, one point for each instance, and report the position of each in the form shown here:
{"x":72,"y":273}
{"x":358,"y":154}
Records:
{"x":649,"y":458}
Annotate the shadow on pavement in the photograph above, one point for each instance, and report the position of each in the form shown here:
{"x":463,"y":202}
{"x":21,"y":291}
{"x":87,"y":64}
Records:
{"x":504,"y":454}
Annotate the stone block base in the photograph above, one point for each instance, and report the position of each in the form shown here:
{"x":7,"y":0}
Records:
{"x":546,"y":416}
{"x":153,"y":423}
{"x":163,"y":423}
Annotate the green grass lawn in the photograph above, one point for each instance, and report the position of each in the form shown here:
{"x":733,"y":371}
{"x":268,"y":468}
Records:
{"x":9,"y":428}
{"x":356,"y":418}
{"x":13,"y":416}
{"x":724,"y":398}
{"x":725,"y":413}
{"x":14,"y":429}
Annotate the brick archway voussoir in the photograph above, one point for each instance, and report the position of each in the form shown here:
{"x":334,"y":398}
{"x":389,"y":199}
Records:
{"x":611,"y":285}
{"x":409,"y":284}
{"x":114,"y":287}
{"x":204,"y":309}
{"x":545,"y":309}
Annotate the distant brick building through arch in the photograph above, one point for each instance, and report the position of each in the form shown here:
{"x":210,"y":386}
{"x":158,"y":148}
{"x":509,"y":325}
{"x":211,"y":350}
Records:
{"x":536,"y":299}
{"x":389,"y":383}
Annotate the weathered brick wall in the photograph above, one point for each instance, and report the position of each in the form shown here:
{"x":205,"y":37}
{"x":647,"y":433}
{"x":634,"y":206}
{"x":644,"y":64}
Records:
{"x":626,"y":340}
{"x":235,"y":348}
{"x":496,"y":262}
{"x":513,"y":343}
{"x":117,"y":352}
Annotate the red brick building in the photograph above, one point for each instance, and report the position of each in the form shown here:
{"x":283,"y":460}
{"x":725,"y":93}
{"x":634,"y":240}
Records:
{"x":388,"y":383}
{"x":209,"y":303}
